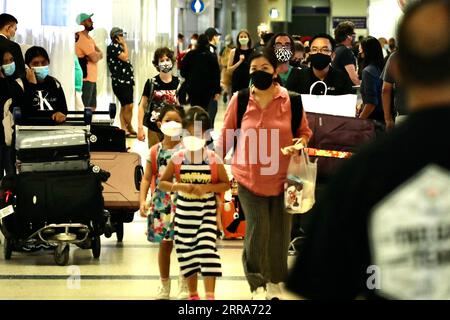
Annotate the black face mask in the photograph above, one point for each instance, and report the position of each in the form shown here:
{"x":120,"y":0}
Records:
{"x":261,"y":80}
{"x":295,"y":63}
{"x":320,"y":61}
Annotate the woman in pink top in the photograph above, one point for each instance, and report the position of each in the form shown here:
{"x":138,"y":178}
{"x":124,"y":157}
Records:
{"x":260,"y":169}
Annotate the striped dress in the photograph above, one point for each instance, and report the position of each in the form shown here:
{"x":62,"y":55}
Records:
{"x":196,"y":225}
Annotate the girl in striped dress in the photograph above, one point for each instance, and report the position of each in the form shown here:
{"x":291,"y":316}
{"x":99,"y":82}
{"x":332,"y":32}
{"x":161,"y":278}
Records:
{"x":200,"y":177}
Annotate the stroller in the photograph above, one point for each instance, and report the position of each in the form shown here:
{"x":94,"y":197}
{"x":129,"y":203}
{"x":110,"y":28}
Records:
{"x":55,"y":199}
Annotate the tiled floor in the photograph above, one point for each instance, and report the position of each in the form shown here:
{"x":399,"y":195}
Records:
{"x":124,"y":271}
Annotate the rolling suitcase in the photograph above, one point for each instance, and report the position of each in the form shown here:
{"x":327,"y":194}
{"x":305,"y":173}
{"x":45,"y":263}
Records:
{"x":121,"y":192}
{"x":106,"y":138}
{"x":51,"y":148}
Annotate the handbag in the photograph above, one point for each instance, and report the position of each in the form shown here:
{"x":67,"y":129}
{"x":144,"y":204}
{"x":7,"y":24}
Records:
{"x":341,"y":105}
{"x":300,"y":185}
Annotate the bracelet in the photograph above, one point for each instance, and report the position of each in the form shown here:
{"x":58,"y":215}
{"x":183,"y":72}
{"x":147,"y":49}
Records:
{"x":173,"y":185}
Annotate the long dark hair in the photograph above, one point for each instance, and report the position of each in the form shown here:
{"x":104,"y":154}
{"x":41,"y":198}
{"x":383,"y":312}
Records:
{"x":373,"y":53}
{"x":238,"y":44}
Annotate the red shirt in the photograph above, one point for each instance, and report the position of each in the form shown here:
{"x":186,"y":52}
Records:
{"x":258,"y":163}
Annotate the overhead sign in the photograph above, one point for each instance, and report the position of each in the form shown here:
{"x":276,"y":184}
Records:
{"x":360,"y":22}
{"x":197,"y":6}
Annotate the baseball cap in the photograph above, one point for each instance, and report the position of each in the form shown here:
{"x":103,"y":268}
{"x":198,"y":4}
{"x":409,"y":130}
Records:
{"x":82,"y":17}
{"x":115,"y":32}
{"x":211,"y":32}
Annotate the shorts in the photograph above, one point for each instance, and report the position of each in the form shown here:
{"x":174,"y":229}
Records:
{"x":89,"y":94}
{"x":123,"y":92}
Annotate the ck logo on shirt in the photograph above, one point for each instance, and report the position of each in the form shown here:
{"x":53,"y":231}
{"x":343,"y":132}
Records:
{"x":42,"y":101}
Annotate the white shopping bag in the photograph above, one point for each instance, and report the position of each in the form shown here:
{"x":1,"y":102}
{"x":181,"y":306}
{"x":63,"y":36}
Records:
{"x":300,"y":184}
{"x":342,"y":105}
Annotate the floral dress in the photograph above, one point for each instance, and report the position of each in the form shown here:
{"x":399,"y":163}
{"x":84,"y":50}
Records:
{"x":162,"y":207}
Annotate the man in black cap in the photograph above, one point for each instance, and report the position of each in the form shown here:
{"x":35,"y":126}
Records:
{"x":122,"y":78}
{"x":213,"y":38}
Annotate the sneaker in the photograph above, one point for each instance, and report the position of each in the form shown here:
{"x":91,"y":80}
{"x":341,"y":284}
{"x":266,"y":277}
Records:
{"x":273,"y":291}
{"x":163,"y":291}
{"x":259,"y":294}
{"x":183,"y":291}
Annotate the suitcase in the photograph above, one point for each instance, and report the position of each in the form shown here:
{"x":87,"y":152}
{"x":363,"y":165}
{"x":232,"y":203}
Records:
{"x":106,"y":138}
{"x":51,"y":149}
{"x":339,"y":134}
{"x":121,"y":192}
{"x":43,"y":198}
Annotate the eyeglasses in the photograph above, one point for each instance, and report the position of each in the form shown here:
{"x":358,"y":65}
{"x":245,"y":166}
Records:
{"x":315,"y":50}
{"x":281,"y":46}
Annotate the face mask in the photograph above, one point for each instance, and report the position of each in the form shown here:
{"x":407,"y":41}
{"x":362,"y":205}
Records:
{"x":165,"y":67}
{"x":9,"y":68}
{"x":171,"y":128}
{"x":228,"y":42}
{"x":193,"y":42}
{"x":386,"y":47}
{"x":296,"y":63}
{"x":90,"y":28}
{"x":283,"y":54}
{"x":320,"y":61}
{"x":193,"y":143}
{"x":261,"y":80}
{"x":41,"y":72}
{"x":243,"y":41}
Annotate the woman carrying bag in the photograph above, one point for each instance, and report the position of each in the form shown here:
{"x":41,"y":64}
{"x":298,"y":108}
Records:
{"x":265,"y":129}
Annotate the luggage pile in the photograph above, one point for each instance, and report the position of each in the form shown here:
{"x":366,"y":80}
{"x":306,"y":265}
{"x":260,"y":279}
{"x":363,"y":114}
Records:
{"x":121,"y":192}
{"x":55,"y":199}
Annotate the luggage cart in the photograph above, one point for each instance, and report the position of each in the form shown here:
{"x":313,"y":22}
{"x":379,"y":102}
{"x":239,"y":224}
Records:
{"x":54,"y":229}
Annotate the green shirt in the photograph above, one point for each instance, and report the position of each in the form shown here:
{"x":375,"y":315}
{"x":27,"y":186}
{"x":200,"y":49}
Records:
{"x":78,"y":76}
{"x":285,"y":76}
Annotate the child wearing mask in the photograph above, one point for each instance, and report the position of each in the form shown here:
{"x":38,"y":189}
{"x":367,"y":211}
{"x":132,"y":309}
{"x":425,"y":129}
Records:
{"x":40,"y":91}
{"x":160,"y":220}
{"x":159,"y":91}
{"x":199,"y":177}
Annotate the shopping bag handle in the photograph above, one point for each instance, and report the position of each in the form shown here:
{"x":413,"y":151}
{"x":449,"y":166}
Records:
{"x":314,"y":84}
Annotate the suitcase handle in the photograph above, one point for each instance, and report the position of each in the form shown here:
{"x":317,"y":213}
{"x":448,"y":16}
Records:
{"x":138,"y":174}
{"x":44,"y":116}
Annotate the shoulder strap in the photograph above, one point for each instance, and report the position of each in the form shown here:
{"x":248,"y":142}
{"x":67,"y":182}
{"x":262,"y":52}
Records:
{"x":296,"y":111}
{"x":177,"y":165}
{"x":154,"y":159}
{"x":243,"y":97}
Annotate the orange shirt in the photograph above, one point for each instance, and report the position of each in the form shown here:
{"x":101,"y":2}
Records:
{"x":84,"y":47}
{"x":258,"y":163}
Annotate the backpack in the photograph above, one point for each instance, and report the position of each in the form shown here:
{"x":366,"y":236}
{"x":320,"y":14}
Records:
{"x":295,"y":98}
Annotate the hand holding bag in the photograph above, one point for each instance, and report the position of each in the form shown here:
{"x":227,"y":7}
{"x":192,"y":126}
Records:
{"x":300,"y":185}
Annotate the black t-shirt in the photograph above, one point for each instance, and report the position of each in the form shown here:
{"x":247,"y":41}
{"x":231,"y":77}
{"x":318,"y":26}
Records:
{"x":48,"y":95}
{"x":336,"y":255}
{"x":338,"y":83}
{"x":163,"y":94}
{"x":344,"y":56}
{"x":121,"y":71}
{"x":241,"y":75}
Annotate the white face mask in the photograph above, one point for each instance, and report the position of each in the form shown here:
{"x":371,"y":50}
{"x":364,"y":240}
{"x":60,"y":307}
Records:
{"x":171,"y":128}
{"x":193,"y":42}
{"x":193,"y":143}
